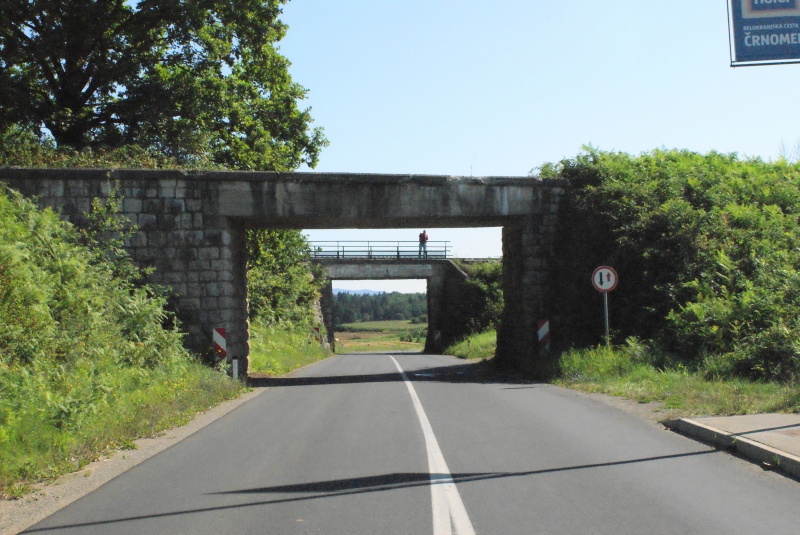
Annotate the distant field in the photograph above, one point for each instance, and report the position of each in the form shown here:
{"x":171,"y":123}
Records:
{"x":384,"y":326}
{"x":372,"y":336}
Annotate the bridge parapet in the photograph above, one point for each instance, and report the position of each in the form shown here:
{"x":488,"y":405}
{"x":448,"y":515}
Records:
{"x":379,"y":250}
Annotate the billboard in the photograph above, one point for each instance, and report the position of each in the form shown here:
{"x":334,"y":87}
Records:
{"x":764,"y":31}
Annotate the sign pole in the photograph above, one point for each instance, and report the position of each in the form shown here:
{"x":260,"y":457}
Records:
{"x":605,"y":310}
{"x":604,"y":280}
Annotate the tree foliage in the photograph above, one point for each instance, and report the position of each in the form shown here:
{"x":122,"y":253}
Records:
{"x":281,"y":283}
{"x":354,"y":308}
{"x":192,"y":79}
{"x":707,"y":248}
{"x":85,"y":363}
{"x":482,"y":298}
{"x":162,"y":84}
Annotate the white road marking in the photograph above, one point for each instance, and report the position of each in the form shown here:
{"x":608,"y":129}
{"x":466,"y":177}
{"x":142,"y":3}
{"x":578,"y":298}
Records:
{"x":449,"y":515}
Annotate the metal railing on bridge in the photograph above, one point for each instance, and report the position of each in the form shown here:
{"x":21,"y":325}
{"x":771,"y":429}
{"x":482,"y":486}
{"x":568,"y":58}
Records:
{"x":379,"y":250}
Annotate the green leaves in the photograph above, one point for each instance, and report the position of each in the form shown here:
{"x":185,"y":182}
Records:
{"x":281,"y":283}
{"x":707,"y":247}
{"x":84,"y":360}
{"x":192,"y":80}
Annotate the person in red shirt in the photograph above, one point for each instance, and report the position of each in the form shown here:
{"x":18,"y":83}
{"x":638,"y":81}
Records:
{"x":423,"y":244}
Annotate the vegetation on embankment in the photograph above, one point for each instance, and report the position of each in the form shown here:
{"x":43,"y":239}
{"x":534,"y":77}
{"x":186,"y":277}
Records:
{"x":706,"y":317}
{"x":85,"y":361}
{"x":276,"y":348}
{"x":283,"y":290}
{"x":637,"y":372}
{"x":482,"y":299}
{"x":707,"y":248}
{"x":475,"y":346}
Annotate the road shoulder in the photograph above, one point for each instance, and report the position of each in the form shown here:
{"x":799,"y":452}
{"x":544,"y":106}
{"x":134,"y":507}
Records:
{"x":46,"y":499}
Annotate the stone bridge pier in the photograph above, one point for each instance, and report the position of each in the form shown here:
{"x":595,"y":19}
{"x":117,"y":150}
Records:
{"x":192,"y":227}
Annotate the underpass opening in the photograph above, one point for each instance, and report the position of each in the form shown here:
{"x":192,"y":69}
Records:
{"x":526,"y":208}
{"x":437,"y":268}
{"x":379,"y":315}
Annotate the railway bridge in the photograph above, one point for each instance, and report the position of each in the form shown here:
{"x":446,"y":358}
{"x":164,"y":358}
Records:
{"x":192,"y":227}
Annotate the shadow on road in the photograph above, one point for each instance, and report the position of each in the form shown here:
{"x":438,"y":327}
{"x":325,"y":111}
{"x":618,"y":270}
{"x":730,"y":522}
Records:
{"x":480,"y":372}
{"x":360,"y":485}
{"x":408,"y":479}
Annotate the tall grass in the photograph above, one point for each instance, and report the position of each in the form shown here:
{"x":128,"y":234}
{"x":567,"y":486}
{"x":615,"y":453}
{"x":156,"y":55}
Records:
{"x":634,"y":371}
{"x":637,"y":372}
{"x":475,"y":346}
{"x":278,"y":348}
{"x":85,"y":364}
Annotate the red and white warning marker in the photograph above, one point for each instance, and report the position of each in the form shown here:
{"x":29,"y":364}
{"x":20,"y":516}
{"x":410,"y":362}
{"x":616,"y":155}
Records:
{"x":543,"y":331}
{"x":220,"y":344}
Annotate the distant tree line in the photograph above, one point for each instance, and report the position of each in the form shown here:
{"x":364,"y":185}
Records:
{"x":354,"y":308}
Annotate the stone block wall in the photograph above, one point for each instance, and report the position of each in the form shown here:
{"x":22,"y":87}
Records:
{"x":527,"y":252}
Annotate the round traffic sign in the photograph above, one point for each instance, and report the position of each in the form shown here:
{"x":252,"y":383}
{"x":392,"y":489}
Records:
{"x":604,"y":279}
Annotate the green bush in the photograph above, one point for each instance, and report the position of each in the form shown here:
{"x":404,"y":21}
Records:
{"x":707,"y":248}
{"x":282,"y":283}
{"x":84,"y":361}
{"x":417,"y":335}
{"x":482,"y":298}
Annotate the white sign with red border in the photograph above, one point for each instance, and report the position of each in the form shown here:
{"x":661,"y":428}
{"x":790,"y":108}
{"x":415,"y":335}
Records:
{"x":604,"y":279}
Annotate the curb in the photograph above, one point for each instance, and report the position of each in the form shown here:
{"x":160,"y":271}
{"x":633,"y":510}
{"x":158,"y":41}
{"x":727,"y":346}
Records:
{"x":769,"y":458}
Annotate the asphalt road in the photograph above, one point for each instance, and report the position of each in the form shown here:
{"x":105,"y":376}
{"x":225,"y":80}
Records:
{"x":353,"y":446}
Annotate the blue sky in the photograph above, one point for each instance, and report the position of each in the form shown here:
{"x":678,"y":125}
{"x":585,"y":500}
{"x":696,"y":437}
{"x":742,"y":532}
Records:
{"x":497,"y":89}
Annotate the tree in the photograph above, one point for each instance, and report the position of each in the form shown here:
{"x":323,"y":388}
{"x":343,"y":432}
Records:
{"x":281,"y":285}
{"x":187,"y":78}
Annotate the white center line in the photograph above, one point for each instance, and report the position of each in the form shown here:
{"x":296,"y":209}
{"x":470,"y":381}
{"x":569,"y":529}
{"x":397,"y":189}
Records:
{"x":449,"y":515}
